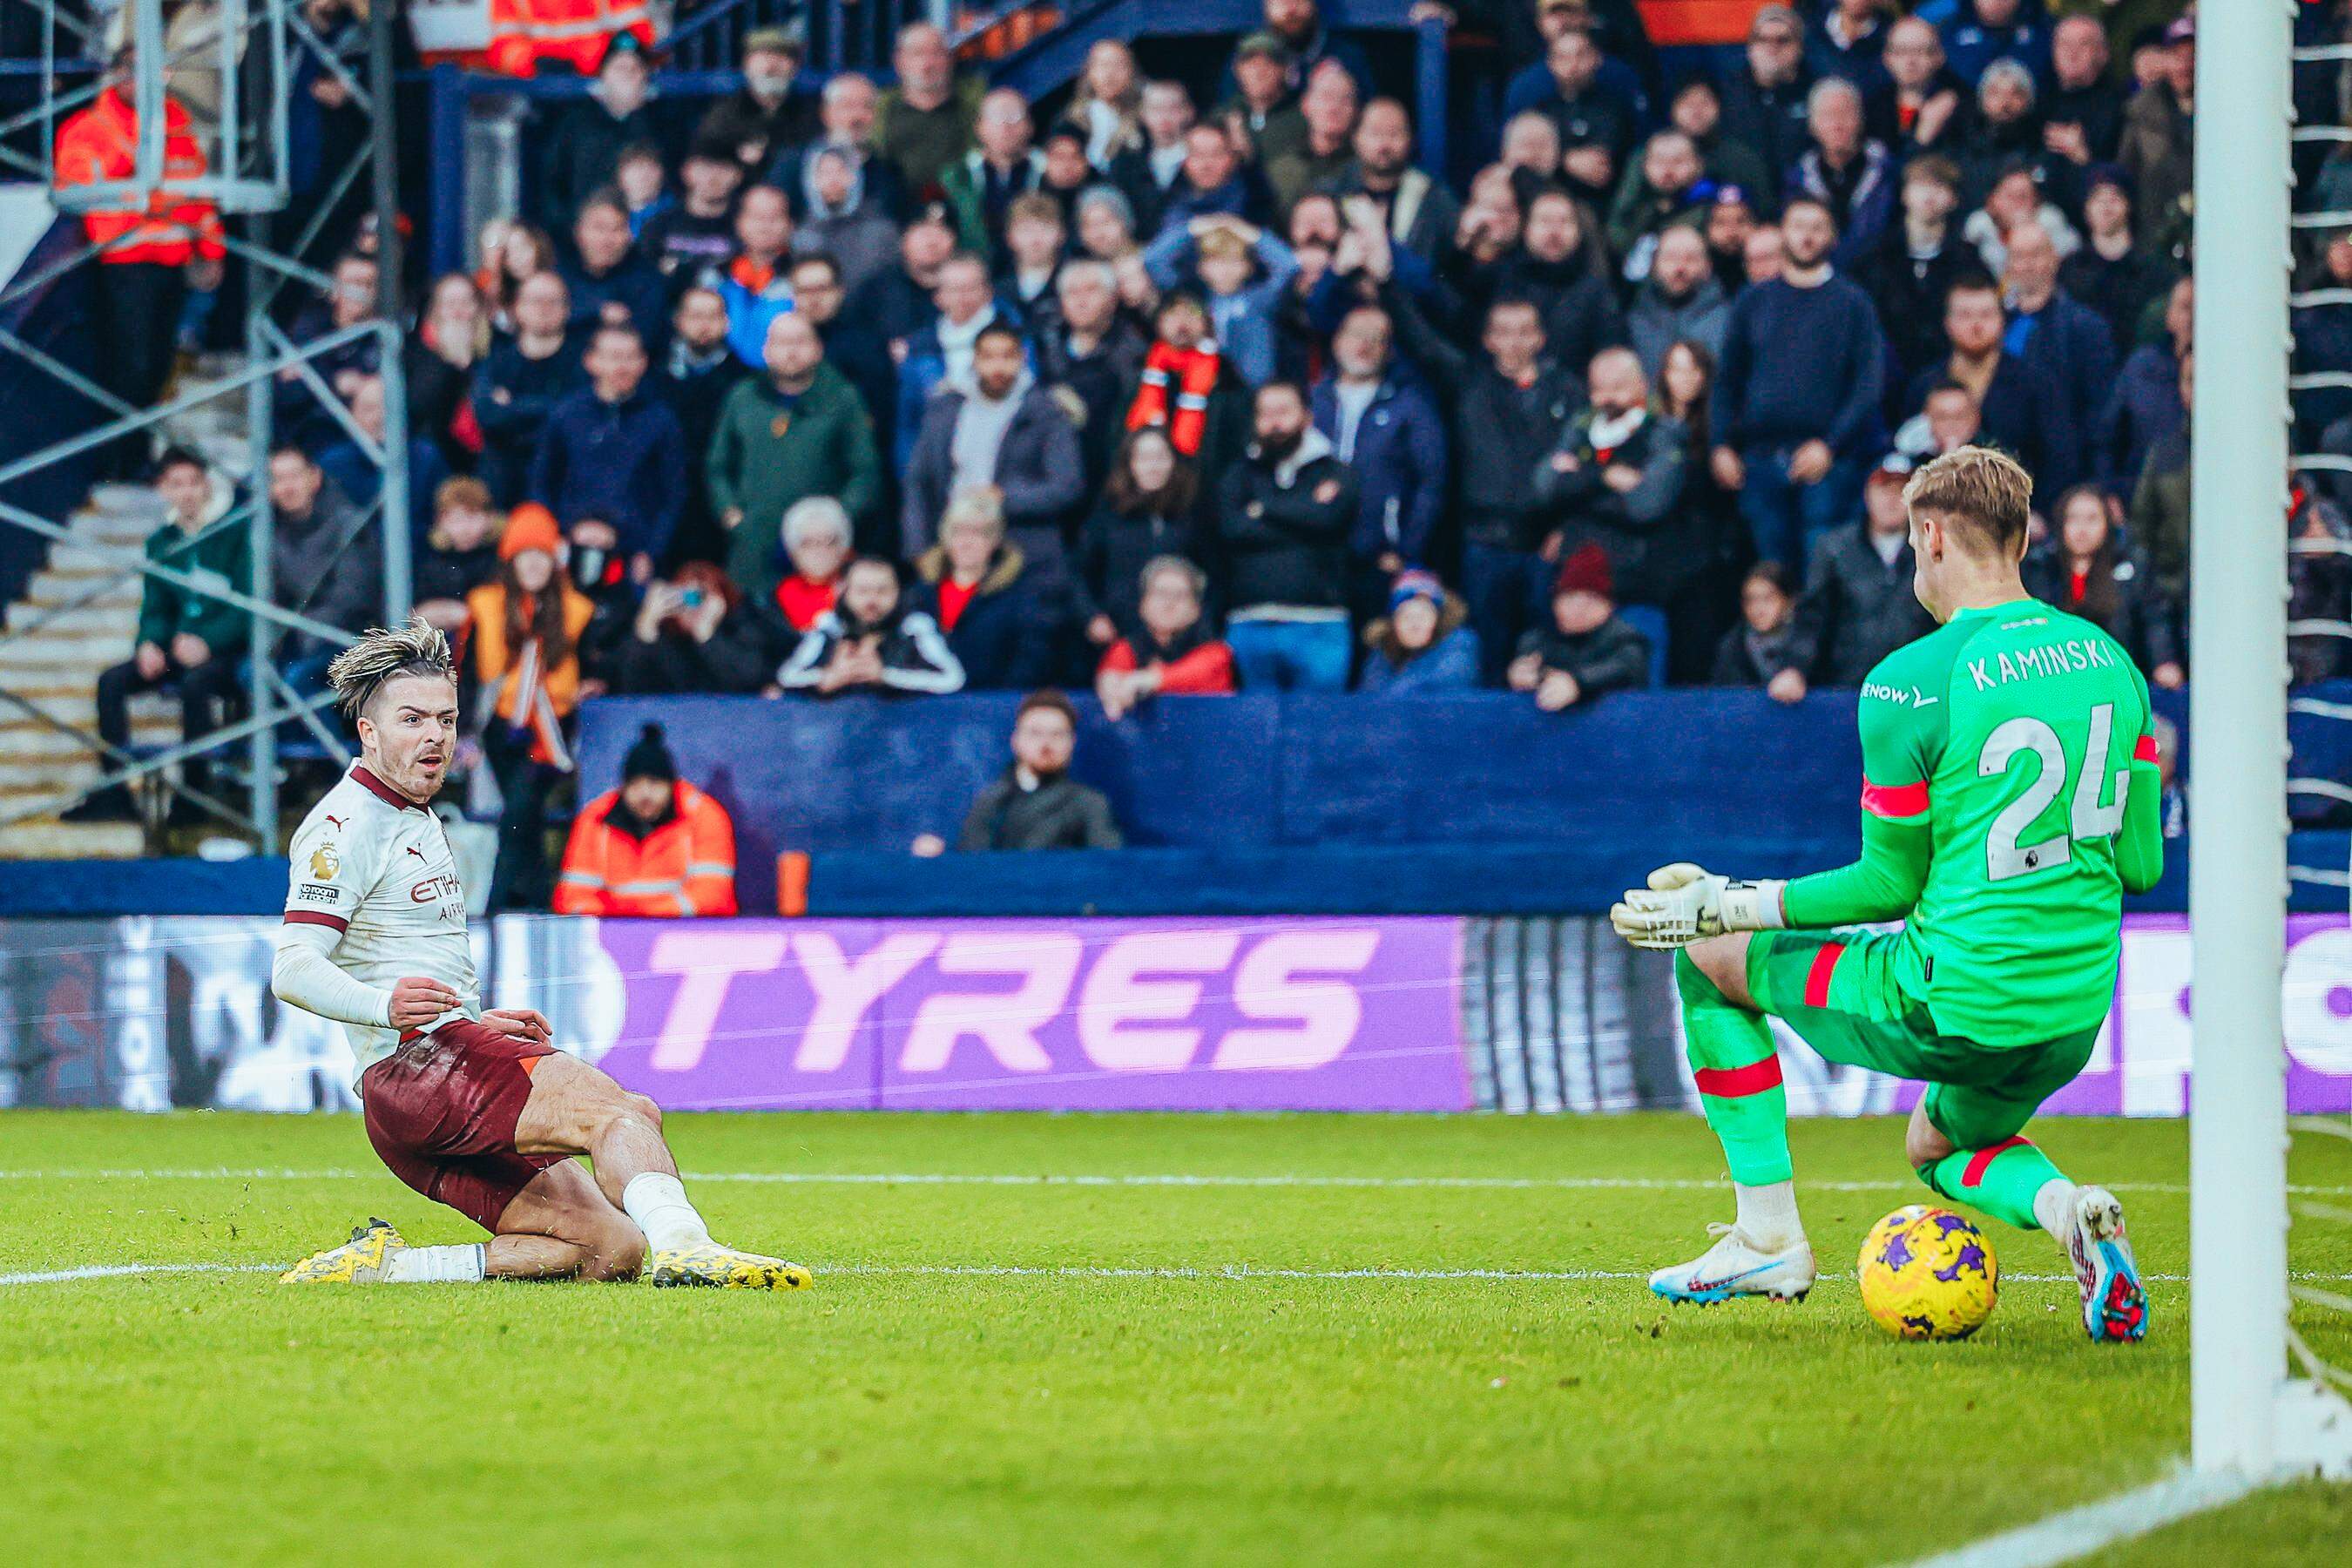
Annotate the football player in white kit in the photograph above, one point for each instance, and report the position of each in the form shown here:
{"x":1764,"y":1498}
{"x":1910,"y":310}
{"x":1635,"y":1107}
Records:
{"x":474,"y":1110}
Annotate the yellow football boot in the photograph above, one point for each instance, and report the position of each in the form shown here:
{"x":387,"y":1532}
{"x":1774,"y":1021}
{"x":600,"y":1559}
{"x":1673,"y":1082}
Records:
{"x":725,"y":1269}
{"x":358,"y":1261}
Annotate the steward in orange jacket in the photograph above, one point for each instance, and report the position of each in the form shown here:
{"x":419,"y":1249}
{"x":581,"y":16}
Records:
{"x":527,"y":34}
{"x":99,"y":146}
{"x":155,"y":250}
{"x":656,"y":847}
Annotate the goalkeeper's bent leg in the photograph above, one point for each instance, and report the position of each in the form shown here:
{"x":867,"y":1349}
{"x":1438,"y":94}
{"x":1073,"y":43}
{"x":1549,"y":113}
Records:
{"x":2006,"y":1180}
{"x":1738,"y":1077}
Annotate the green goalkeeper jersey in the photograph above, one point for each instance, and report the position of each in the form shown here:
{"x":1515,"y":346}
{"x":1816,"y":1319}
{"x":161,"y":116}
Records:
{"x":2010,"y":795}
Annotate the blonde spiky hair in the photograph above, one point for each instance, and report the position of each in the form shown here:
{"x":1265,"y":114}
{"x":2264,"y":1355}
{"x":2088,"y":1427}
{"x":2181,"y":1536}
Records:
{"x":359,"y":672}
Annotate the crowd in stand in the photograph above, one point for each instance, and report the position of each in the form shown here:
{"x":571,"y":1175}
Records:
{"x":1162,"y":390}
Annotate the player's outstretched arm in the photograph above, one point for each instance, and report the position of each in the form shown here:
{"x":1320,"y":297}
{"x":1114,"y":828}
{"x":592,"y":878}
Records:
{"x":1882,"y":885}
{"x":2139,"y":847}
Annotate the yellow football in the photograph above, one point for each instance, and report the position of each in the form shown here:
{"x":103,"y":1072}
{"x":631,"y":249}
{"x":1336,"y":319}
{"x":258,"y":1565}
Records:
{"x":1929,"y":1274}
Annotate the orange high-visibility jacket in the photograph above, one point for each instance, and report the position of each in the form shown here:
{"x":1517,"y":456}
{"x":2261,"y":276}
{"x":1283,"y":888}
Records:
{"x":100,"y":146}
{"x":524,"y":33}
{"x":685,"y":866}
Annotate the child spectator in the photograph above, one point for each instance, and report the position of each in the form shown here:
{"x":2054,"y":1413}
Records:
{"x":1035,"y":239}
{"x":1423,"y":647}
{"x":753,"y":281}
{"x":644,"y":184}
{"x":1587,"y":650}
{"x":1172,"y":652}
{"x":526,"y":629}
{"x":696,"y":233}
{"x":1242,"y":271}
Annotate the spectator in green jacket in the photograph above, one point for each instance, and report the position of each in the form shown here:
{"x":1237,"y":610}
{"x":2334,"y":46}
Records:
{"x":801,"y":430}
{"x":186,"y":637}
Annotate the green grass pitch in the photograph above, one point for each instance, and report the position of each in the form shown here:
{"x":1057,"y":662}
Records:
{"x":1358,"y":1358}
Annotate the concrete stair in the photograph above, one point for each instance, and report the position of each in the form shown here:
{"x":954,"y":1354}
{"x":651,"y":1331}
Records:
{"x":73,"y":621}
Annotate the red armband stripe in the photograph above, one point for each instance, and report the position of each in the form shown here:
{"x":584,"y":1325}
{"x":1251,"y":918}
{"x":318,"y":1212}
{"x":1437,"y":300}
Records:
{"x":313,"y":917}
{"x":1729,"y":1083}
{"x":2145,"y":751}
{"x":1983,"y":1158}
{"x":1817,"y":978}
{"x":1894,"y":800}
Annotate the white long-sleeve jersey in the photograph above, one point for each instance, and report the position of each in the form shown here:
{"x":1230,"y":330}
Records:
{"x":374,"y":896}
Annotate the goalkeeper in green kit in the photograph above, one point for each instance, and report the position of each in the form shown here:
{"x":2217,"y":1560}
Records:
{"x":2008,"y":798}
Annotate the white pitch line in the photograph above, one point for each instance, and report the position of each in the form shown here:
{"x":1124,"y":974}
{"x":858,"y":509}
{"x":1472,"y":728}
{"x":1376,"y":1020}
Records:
{"x":2079,"y":1532}
{"x":117,"y":1270}
{"x":1228,"y":1271}
{"x":1084,"y":1179}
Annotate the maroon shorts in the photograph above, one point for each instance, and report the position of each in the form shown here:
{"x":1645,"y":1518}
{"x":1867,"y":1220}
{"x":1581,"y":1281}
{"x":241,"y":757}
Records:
{"x":441,"y":1112}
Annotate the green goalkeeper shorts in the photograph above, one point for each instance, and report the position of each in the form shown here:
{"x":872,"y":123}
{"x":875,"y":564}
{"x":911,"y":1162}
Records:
{"x":1837,"y":989}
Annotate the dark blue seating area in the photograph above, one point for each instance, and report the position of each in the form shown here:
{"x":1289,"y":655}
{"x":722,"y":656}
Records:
{"x":1281,"y":803}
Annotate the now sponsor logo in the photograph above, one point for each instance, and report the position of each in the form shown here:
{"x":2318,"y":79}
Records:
{"x":988,"y":1013}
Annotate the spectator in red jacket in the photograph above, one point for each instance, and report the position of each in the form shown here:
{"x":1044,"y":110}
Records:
{"x":655,"y":847}
{"x":1173,"y":653}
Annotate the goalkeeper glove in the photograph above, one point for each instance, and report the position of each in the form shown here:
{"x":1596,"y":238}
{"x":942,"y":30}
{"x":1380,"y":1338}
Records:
{"x":1683,"y":904}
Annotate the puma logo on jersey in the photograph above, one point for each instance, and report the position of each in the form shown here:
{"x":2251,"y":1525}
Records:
{"x":336,"y":820}
{"x":413,"y":849}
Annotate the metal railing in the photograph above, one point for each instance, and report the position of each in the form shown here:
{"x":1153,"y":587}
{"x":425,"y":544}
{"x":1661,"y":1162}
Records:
{"x":246,"y":178}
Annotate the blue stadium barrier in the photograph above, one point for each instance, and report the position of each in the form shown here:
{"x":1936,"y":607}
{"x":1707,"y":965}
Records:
{"x":1366,"y":879}
{"x":1296,"y":796}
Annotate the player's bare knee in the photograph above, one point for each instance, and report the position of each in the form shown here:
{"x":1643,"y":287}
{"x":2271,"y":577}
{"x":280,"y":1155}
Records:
{"x":620,"y":1110}
{"x":1718,"y":964}
{"x":1922,"y":1143}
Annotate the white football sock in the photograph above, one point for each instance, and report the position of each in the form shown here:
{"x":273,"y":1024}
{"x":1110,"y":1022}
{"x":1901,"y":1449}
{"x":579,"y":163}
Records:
{"x":435,"y":1266}
{"x":1767,"y":1216}
{"x":657,"y":1202}
{"x":2053,"y":1205}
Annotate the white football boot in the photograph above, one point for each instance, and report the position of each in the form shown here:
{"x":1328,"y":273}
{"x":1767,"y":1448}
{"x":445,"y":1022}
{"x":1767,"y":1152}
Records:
{"x":1734,"y":1267}
{"x":2115,"y":1307}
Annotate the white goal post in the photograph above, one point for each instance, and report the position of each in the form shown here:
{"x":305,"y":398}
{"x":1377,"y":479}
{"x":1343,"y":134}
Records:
{"x":2249,"y":1419}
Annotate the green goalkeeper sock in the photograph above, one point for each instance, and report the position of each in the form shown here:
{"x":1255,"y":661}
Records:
{"x":2002,"y":1180}
{"x":1738,"y":1078}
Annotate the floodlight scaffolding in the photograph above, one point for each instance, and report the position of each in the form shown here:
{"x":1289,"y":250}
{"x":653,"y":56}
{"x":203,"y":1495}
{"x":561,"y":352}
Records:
{"x":247,"y":51}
